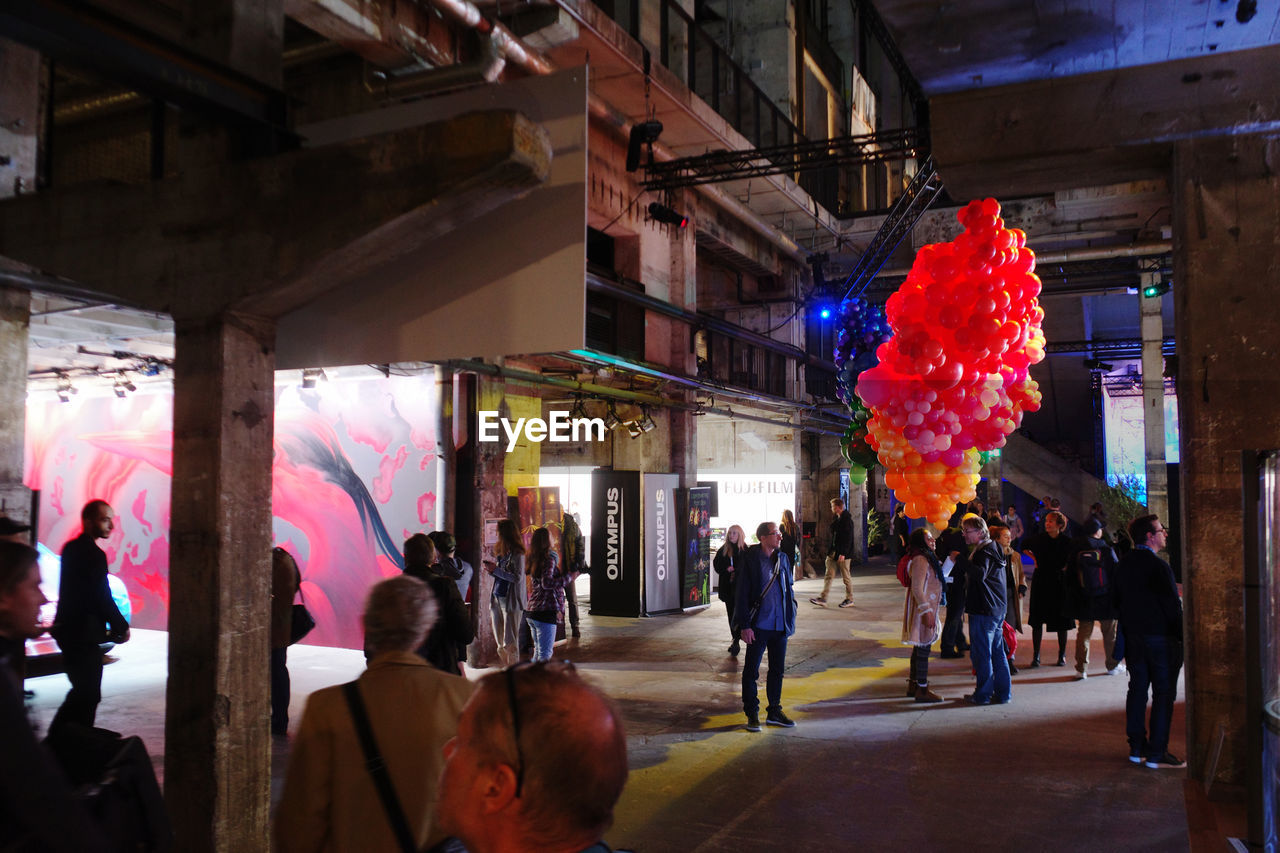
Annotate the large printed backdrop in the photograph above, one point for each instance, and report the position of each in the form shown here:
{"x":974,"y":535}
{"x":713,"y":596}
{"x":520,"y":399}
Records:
{"x":354,"y":475}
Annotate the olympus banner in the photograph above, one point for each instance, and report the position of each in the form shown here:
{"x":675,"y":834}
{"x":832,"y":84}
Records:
{"x":661,"y":544}
{"x":615,"y":543}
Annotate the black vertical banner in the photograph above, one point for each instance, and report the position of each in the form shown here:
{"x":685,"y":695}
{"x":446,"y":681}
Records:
{"x":695,"y":562}
{"x":615,"y":543}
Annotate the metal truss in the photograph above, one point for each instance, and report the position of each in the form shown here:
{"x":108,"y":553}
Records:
{"x":719,"y":166}
{"x":924,"y":188}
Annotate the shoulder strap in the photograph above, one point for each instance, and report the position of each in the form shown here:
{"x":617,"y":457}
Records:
{"x":378,"y":768}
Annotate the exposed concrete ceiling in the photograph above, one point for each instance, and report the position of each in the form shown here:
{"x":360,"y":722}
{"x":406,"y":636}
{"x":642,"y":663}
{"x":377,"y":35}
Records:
{"x":952,"y":46}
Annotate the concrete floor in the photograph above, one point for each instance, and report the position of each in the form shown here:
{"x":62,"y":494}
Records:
{"x":865,"y":768}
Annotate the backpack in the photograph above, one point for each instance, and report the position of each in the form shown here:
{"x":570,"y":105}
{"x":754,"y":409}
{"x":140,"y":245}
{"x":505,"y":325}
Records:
{"x":904,"y":576}
{"x":1091,"y":565}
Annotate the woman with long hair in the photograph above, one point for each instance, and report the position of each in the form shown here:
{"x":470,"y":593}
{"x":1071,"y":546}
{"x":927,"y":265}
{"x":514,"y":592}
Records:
{"x":920,"y":623}
{"x":507,"y":602}
{"x":546,"y":598}
{"x":725,"y":563}
{"x":790,"y":544}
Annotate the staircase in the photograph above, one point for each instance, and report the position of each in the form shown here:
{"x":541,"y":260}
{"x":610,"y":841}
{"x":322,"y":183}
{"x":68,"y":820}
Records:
{"x":1040,"y":472}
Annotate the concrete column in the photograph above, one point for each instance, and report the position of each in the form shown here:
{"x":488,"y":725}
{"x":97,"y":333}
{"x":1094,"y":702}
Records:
{"x":217,"y":739}
{"x":19,"y":118}
{"x":15,"y":321}
{"x":1152,"y":326}
{"x":1226,"y":209}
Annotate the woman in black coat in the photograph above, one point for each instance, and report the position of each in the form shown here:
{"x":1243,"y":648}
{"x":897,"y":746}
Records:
{"x":725,"y":564}
{"x":790,"y":541}
{"x":1052,"y":551}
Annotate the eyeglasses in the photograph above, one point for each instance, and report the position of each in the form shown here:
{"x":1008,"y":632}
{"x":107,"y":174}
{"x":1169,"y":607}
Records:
{"x":510,"y":675}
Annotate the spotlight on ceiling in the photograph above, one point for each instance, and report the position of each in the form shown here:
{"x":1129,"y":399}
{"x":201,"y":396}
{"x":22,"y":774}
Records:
{"x":634,"y":428}
{"x":1158,"y":289}
{"x":642,"y":133}
{"x":667,"y":216}
{"x":611,"y":419}
{"x":645,"y":422}
{"x":65,"y":389}
{"x":310,"y":375}
{"x":123,"y":386}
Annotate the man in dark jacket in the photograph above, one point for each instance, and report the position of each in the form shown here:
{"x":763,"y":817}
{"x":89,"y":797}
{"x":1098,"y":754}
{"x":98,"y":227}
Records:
{"x":1151,"y":618}
{"x":839,"y":555}
{"x":765,"y":614}
{"x":951,"y":541}
{"x":447,"y":641}
{"x":85,"y":610}
{"x":985,"y":604}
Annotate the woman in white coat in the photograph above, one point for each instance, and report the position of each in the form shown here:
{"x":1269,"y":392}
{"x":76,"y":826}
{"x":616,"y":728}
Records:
{"x":920,"y":623}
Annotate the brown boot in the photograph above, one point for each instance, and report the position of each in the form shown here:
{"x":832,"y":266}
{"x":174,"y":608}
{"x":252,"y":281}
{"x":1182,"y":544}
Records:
{"x":912,"y":687}
{"x":924,"y":694}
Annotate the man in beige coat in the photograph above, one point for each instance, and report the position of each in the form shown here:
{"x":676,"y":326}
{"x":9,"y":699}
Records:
{"x":330,"y":804}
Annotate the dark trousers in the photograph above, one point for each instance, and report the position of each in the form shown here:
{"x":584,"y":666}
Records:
{"x":920,"y":664}
{"x":1154,"y":662}
{"x":83,"y":665}
{"x":729,"y":604}
{"x":776,"y":644}
{"x":279,"y":691}
{"x":953,"y":628}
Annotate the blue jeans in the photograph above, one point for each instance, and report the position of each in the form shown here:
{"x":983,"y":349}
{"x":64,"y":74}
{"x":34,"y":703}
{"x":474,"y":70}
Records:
{"x":986,"y":650}
{"x":776,"y":644}
{"x":1154,"y":661}
{"x":544,"y":638}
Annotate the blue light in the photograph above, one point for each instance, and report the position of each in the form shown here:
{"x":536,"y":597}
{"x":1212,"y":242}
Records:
{"x":825,"y":313}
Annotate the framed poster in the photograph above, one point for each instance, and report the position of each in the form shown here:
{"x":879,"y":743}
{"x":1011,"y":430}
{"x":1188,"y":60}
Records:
{"x":695,"y":577}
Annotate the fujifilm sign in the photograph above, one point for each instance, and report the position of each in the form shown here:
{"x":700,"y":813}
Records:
{"x":561,"y":428}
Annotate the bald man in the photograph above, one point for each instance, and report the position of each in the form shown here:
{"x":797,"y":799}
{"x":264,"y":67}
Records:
{"x":539,"y":760}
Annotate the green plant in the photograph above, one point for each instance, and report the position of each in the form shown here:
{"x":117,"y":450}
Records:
{"x":877,"y":527}
{"x":1120,"y":502}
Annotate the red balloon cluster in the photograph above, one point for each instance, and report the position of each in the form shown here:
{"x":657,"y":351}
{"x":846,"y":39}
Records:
{"x":954,"y":378}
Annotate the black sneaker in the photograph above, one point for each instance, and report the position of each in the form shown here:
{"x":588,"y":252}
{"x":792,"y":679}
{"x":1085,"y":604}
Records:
{"x":777,"y":718}
{"x":848,"y":602}
{"x":1135,"y":755}
{"x":1166,"y":760}
{"x":819,"y":602}
{"x":753,"y":722}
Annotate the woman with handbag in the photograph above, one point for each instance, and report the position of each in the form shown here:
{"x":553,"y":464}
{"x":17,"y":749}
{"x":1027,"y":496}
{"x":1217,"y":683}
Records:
{"x":726,"y":557}
{"x":510,"y":596}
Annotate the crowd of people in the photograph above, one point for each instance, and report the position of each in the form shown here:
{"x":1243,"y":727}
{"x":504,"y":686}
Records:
{"x":414,"y":755}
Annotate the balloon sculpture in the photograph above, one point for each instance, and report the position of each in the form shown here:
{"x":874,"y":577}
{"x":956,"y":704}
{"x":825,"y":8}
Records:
{"x":953,"y":381}
{"x":863,"y":328}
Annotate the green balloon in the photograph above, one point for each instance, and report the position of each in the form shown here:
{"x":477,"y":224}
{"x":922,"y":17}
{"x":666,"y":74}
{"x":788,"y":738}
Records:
{"x":857,"y":475}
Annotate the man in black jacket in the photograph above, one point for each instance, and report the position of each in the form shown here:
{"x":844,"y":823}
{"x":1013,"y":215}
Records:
{"x":85,"y":610}
{"x":985,"y":604}
{"x":839,"y":555}
{"x":1151,"y":618}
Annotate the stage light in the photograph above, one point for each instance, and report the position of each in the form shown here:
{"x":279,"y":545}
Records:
{"x":1159,"y":289}
{"x":642,"y":133}
{"x":310,"y":375}
{"x":646,"y":420}
{"x":667,"y":216}
{"x":611,"y":419}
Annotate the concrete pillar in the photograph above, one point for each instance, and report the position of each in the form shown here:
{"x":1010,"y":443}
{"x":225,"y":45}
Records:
{"x":217,"y":738}
{"x":1157,"y":470}
{"x":19,"y":118}
{"x":15,"y":321}
{"x":1226,"y":209}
